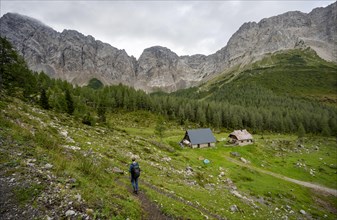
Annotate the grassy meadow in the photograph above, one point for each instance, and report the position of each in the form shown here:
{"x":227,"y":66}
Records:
{"x":175,"y":179}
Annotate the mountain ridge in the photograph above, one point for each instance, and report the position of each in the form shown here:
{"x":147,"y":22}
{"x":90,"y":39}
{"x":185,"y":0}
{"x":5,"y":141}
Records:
{"x":77,"y":58}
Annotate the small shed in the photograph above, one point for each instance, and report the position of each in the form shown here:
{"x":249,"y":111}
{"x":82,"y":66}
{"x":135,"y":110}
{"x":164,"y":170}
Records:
{"x":199,"y":138}
{"x":240,"y":137}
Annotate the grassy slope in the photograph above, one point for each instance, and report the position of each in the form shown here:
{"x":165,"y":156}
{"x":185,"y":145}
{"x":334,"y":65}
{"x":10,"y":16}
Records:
{"x":299,"y":73}
{"x":103,"y":148}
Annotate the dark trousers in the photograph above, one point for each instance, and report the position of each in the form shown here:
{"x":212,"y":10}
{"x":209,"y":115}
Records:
{"x":134,"y":182}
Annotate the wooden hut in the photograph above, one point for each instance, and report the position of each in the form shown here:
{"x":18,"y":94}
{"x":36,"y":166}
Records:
{"x":240,"y":137}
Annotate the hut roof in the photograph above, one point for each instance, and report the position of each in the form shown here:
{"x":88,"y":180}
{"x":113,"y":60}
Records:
{"x":241,"y":135}
{"x":201,"y":136}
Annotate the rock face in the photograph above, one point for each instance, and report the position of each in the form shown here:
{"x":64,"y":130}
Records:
{"x":68,"y":55}
{"x":252,"y":41}
{"x":77,"y":58}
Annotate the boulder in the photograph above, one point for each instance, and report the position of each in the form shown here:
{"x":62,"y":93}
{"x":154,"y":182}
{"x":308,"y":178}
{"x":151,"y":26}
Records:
{"x":70,"y":213}
{"x":244,"y":160}
{"x":235,"y":154}
{"x":48,"y":166}
{"x":117,"y":170}
{"x":234,"y":208}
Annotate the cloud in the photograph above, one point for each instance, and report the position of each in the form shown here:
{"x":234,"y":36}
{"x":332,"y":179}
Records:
{"x":186,"y":27}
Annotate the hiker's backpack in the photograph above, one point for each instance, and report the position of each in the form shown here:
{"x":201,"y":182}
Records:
{"x":135,"y":170}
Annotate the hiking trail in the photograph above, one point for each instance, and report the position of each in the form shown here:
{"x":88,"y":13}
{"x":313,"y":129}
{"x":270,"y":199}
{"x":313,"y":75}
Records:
{"x":316,"y":187}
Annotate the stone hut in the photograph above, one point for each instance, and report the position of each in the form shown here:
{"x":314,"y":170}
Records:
{"x":199,"y":138}
{"x":240,"y":137}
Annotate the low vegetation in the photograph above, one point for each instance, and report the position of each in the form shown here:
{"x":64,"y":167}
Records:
{"x":85,"y":158}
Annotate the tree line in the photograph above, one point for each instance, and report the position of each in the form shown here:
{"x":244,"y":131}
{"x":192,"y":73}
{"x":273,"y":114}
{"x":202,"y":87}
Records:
{"x":237,"y":107}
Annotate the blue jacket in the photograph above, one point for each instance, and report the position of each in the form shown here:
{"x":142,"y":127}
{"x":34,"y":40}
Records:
{"x":132,"y":165}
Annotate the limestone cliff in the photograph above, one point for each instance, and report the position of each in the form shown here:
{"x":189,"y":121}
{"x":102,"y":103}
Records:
{"x":77,"y":58}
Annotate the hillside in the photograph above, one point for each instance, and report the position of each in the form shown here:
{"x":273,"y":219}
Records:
{"x":68,"y":169}
{"x":297,"y":73}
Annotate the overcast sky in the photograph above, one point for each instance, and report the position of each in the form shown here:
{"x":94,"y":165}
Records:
{"x":185,"y":27}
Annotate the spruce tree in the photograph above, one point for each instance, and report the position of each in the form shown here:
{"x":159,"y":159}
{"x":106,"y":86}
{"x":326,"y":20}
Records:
{"x":70,"y":103}
{"x":44,"y":100}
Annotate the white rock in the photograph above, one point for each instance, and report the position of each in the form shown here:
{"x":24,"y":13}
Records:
{"x":243,"y":160}
{"x":48,"y":166}
{"x":78,"y":197}
{"x":70,"y":212}
{"x":234,"y":208}
{"x":302,"y":212}
{"x":70,"y":140}
{"x":64,"y":133}
{"x":166,"y":159}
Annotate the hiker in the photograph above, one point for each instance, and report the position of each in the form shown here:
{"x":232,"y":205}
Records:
{"x":135,"y":173}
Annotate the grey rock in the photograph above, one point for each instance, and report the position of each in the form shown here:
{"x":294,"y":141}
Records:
{"x":117,"y":170}
{"x":68,"y":55}
{"x":234,"y":208}
{"x":235,"y":154}
{"x":48,"y":166}
{"x":300,"y":146}
{"x":166,"y":159}
{"x":244,"y":160}
{"x":302,"y":212}
{"x":70,"y":213}
{"x":189,"y":169}
{"x":78,"y":197}
{"x":71,"y":56}
{"x":72,"y":180}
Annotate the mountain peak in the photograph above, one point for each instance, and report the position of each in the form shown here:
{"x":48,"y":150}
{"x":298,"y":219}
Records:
{"x":23,"y":18}
{"x":77,"y":58}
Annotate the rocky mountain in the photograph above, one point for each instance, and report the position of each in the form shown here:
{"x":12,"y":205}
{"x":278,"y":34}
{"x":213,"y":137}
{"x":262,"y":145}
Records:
{"x":77,"y":58}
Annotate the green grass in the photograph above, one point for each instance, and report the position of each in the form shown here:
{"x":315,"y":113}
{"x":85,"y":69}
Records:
{"x":295,"y":73}
{"x":26,"y":194}
{"x":281,"y":154}
{"x":103,"y":148}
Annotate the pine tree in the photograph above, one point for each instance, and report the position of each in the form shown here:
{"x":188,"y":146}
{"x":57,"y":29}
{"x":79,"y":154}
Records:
{"x":70,"y":103}
{"x":44,"y":100}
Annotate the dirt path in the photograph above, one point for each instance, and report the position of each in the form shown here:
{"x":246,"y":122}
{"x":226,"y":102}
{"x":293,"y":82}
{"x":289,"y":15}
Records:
{"x":152,"y":212}
{"x":150,"y":209}
{"x":204,"y":211}
{"x":302,"y":183}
